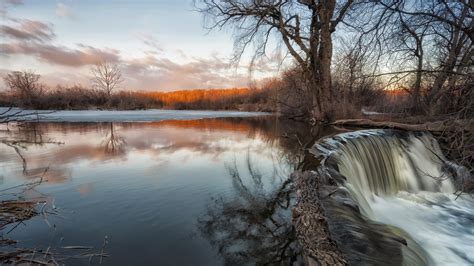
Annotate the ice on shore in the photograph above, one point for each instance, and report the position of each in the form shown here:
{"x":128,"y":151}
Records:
{"x":120,"y":116}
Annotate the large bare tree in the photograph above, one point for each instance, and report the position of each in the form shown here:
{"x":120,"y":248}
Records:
{"x":304,"y":26}
{"x":106,"y":76}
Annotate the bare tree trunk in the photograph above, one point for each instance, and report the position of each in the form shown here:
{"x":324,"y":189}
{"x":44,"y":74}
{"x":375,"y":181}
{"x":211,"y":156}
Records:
{"x":324,"y":55}
{"x":436,"y":90}
{"x":456,"y":44}
{"x":416,"y":104}
{"x":315,"y":66}
{"x":316,"y":90}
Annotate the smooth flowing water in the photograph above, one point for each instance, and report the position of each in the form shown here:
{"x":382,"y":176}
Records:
{"x":173,"y":192}
{"x":403,"y":179}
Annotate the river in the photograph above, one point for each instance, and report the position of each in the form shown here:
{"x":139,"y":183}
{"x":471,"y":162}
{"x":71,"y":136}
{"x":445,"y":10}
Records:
{"x":212,"y":188}
{"x":167,"y":192}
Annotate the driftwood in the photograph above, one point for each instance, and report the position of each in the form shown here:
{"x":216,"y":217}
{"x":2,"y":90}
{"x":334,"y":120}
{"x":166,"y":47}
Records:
{"x":438,"y":126}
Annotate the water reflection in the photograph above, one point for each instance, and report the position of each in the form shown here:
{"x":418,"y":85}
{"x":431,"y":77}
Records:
{"x":113,"y":144}
{"x":152,"y":187}
{"x":19,"y":141}
{"x":254,"y":226}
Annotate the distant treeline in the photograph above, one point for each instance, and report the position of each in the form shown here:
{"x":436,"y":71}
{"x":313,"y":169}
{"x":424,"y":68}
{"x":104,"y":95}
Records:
{"x":76,"y":97}
{"x":290,"y":96}
{"x":215,"y":99}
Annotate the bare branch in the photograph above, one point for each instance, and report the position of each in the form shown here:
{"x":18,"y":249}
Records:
{"x":106,"y":77}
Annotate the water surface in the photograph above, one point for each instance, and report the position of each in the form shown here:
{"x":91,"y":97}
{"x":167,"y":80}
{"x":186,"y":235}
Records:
{"x":149,"y":115}
{"x":174,"y":192}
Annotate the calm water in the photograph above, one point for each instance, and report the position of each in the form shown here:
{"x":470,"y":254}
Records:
{"x":195,"y":192}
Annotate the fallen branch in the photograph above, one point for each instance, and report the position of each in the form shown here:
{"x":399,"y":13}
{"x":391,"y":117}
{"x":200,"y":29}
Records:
{"x":438,"y":126}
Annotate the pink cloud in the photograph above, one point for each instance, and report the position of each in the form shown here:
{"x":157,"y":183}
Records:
{"x":150,"y":73}
{"x":153,"y":71}
{"x":28,"y":30}
{"x":84,"y":55}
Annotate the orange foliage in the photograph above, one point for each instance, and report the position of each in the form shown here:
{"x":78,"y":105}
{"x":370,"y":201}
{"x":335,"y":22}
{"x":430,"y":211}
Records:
{"x":396,"y":92}
{"x":188,"y":96}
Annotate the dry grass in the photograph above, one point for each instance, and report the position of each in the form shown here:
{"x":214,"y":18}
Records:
{"x":16,"y":211}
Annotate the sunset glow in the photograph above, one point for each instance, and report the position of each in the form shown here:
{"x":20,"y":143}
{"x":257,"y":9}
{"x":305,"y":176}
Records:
{"x":61,"y":40}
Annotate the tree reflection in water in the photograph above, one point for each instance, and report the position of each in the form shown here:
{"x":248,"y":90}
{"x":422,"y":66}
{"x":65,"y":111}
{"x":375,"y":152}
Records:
{"x":113,"y":144}
{"x":255,"y":227}
{"x":24,"y":136}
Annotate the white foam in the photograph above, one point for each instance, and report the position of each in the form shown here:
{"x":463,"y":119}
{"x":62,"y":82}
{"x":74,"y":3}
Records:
{"x":440,"y":224}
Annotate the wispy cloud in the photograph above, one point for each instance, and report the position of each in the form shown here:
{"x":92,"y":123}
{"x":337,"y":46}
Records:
{"x":35,"y":38}
{"x":64,"y":10}
{"x":150,"y":42}
{"x":60,"y":55}
{"x":28,"y":30}
{"x":166,"y":74}
{"x":6,"y":4}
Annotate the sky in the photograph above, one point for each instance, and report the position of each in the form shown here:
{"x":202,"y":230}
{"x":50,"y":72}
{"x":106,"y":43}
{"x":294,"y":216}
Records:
{"x":158,"y":44}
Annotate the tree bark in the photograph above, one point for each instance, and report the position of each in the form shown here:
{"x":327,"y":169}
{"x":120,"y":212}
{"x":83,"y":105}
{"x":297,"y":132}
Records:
{"x":321,"y":51}
{"x":326,"y":13}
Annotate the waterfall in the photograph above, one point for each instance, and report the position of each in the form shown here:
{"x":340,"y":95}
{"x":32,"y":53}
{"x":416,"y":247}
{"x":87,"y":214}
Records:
{"x":403,"y":179}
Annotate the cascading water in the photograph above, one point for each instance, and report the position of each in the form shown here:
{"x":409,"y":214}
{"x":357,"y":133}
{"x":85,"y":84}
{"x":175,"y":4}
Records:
{"x":402,"y":179}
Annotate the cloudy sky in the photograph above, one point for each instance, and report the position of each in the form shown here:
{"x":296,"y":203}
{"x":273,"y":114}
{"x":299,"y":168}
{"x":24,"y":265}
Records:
{"x":159,"y":44}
